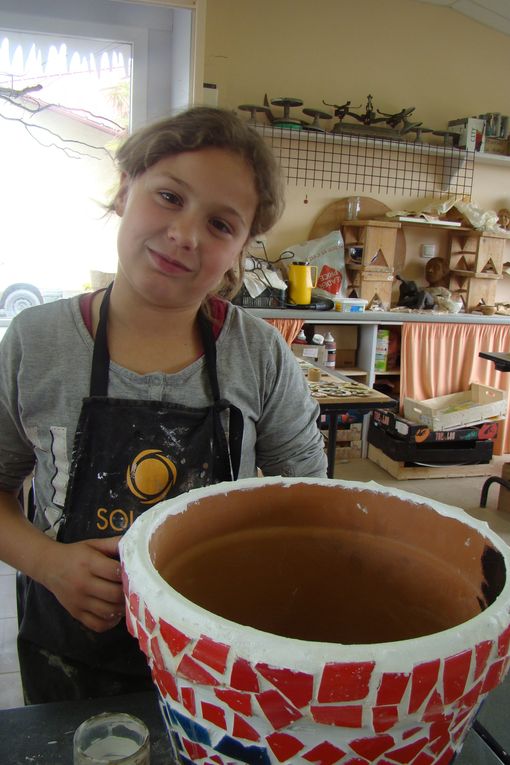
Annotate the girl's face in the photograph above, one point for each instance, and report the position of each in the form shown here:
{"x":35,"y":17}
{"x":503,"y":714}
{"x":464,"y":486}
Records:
{"x":184,"y":223}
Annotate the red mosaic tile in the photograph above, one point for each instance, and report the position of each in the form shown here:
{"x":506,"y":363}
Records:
{"x":156,"y":653}
{"x":211,"y":653}
{"x":143,"y":640}
{"x":243,"y":677}
{"x":411,"y":732}
{"x":296,"y":686}
{"x":278,"y":710}
{"x":440,"y":730}
{"x":493,"y":676}
{"x":193,"y":671}
{"x":471,"y":697}
{"x":424,"y":679}
{"x":324,"y":754}
{"x":195,"y":751}
{"x":217,"y":758}
{"x":384,"y":718}
{"x":166,"y":683}
{"x":134,"y":604}
{"x":434,"y":709}
{"x":349,"y":716}
{"x":405,"y":754}
{"x":346,"y":681}
{"x":504,"y":643}
{"x":188,"y":699}
{"x":455,"y":675}
{"x":236,"y":700}
{"x":243,"y":729}
{"x":130,"y":623}
{"x":392,"y":687}
{"x":285,"y":746}
{"x":446,"y":757}
{"x":174,"y":638}
{"x":214,"y":714}
{"x":482,"y":653}
{"x":150,"y":622}
{"x":372,"y":748}
{"x":423,"y":759}
{"x":437,"y":746}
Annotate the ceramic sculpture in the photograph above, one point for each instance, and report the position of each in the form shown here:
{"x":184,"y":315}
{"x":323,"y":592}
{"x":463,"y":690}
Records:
{"x":311,"y":621}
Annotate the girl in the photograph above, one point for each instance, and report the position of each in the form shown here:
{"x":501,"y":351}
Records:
{"x":131,"y":395}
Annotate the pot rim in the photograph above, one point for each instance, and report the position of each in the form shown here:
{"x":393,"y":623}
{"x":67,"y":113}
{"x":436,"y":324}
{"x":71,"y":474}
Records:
{"x":261,"y":646}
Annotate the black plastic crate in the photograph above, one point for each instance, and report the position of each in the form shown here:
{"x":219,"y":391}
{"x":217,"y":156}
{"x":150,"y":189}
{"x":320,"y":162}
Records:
{"x":270,"y":298}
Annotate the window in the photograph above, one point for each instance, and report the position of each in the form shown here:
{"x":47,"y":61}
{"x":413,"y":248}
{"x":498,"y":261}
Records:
{"x":135,"y":62}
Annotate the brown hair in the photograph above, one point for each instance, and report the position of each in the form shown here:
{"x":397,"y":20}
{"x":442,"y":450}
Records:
{"x":205,"y":127}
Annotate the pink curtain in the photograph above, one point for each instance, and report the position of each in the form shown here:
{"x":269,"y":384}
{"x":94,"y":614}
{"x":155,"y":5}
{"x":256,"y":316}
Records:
{"x":437,"y":359}
{"x":290,"y":328}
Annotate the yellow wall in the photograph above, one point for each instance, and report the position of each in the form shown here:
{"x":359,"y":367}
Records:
{"x":403,"y":52}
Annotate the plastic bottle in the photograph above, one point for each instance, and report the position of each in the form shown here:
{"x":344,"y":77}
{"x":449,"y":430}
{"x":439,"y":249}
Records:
{"x":330,"y":343}
{"x":301,"y":338}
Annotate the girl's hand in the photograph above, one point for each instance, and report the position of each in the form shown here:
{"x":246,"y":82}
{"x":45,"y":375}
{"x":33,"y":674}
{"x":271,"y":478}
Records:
{"x":85,"y":578}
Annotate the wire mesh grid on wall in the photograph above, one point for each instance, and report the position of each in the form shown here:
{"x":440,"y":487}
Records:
{"x":371,"y":164}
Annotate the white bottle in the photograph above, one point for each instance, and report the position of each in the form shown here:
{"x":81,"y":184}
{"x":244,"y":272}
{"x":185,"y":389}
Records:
{"x":330,"y":343}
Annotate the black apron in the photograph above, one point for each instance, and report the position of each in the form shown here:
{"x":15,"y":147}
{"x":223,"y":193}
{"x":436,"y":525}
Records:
{"x":128,"y":455}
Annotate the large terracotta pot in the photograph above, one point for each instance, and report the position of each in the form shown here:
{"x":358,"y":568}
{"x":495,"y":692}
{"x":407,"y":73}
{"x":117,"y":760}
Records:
{"x":309,"y":621}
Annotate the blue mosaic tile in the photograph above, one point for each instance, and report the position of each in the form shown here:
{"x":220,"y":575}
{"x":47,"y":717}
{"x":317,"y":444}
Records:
{"x":253,"y":755}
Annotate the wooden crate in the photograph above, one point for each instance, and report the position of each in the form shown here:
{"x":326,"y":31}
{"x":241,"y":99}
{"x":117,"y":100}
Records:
{"x":378,"y":240}
{"x":473,"y":252}
{"x":401,"y":472}
{"x":366,"y":284}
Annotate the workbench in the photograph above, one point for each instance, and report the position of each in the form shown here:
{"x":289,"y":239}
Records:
{"x":337,"y":394}
{"x":43,"y":734}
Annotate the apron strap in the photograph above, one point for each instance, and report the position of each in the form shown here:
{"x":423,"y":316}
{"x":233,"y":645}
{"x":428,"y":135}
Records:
{"x":101,"y":356}
{"x":236,"y":425}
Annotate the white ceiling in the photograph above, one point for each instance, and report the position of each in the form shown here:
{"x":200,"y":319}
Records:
{"x":492,"y":13}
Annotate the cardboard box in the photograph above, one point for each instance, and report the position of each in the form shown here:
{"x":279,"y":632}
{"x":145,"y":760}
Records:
{"x":413,"y":432}
{"x":478,"y":403}
{"x":316,"y":353}
{"x":471,"y":132}
{"x":346,"y":335}
{"x":345,"y":358}
{"x":497,"y":146}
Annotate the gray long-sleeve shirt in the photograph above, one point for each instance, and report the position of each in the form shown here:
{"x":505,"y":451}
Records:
{"x":45,"y":362}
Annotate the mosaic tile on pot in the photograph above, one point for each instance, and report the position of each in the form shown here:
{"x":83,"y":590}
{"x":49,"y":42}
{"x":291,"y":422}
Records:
{"x":345,"y":681}
{"x":243,"y":677}
{"x":372,"y":748}
{"x":324,"y":754}
{"x":284,"y":746}
{"x":384,"y":718}
{"x":242,"y":729}
{"x":278,"y":710}
{"x":456,"y":671}
{"x":239,"y":701}
{"x":212,"y":653}
{"x":174,"y":638}
{"x":392,"y":687}
{"x":214,"y":714}
{"x":296,"y":686}
{"x":347,"y":716}
{"x":192,"y":670}
{"x":424,"y":679}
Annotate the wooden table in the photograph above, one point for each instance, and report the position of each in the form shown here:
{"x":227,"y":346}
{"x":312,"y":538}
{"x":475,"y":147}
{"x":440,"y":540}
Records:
{"x":337,"y":394}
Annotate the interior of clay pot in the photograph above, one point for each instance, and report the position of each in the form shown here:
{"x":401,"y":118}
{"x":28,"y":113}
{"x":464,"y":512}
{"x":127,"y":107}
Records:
{"x":328,"y":563}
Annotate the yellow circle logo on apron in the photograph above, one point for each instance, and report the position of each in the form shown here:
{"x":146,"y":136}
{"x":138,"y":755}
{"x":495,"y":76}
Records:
{"x":151,"y":475}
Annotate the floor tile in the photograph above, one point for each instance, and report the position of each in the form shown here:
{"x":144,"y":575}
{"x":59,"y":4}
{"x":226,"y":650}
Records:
{"x":11,"y":694}
{"x":8,"y":653}
{"x":8,"y":596}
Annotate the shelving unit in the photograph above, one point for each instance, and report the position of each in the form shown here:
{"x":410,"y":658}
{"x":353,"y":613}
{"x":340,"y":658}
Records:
{"x":384,"y":165}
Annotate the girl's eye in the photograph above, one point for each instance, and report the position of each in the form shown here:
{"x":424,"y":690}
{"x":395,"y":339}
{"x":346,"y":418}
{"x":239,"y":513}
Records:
{"x":170,"y":197}
{"x":223,"y":227}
